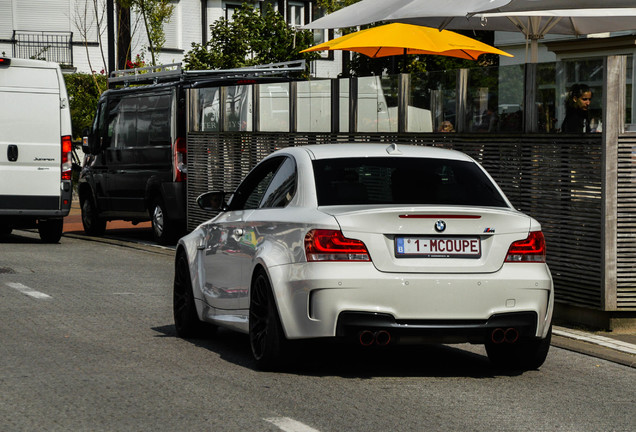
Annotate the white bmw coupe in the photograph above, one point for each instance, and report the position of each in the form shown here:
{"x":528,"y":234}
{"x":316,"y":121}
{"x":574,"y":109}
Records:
{"x":373,"y":243}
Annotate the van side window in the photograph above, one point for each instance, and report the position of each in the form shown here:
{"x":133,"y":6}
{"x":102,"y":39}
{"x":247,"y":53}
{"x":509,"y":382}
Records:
{"x":160,"y":121}
{"x":126,"y":127}
{"x":112,"y":119}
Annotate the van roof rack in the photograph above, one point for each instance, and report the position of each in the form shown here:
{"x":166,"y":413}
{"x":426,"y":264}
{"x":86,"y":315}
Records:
{"x":174,"y":72}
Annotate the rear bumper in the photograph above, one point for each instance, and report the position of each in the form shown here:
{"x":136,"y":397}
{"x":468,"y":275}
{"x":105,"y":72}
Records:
{"x":17,"y":208}
{"x":339,"y":299}
{"x":354,"y":325}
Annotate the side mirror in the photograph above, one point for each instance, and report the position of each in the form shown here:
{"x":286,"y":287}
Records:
{"x":90,"y":145}
{"x":212,"y":201}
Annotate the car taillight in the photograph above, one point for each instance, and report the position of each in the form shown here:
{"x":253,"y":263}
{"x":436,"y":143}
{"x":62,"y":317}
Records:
{"x":531,"y":249}
{"x":67,"y":157}
{"x":180,"y":160}
{"x":331,"y":245}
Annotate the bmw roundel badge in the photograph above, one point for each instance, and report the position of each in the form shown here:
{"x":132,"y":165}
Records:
{"x":440,"y":226}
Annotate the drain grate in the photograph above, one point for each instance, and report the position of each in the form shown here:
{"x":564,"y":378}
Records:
{"x":6,"y":270}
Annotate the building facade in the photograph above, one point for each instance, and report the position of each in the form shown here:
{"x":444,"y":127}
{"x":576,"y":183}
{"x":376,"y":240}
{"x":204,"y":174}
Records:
{"x":74,"y":32}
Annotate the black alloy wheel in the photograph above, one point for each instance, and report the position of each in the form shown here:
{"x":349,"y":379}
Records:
{"x":266,"y":336}
{"x":186,"y":320}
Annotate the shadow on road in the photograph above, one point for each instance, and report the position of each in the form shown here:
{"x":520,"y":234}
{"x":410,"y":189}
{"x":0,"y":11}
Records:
{"x":327,"y":358}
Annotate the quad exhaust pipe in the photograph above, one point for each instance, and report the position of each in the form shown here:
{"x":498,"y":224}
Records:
{"x":500,"y":335}
{"x":368,"y":338}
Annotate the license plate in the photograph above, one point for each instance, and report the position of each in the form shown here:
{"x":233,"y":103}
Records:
{"x":438,"y":247}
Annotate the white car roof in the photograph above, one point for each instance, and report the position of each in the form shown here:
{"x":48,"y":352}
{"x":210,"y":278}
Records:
{"x":346,"y":150}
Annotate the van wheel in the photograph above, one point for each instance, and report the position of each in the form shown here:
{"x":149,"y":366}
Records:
{"x":50,"y":230}
{"x":93,"y":224}
{"x":162,"y":228}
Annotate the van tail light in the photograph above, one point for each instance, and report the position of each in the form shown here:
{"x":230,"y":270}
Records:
{"x":180,"y":160}
{"x":531,"y":249}
{"x":331,"y":245}
{"x":67,"y":157}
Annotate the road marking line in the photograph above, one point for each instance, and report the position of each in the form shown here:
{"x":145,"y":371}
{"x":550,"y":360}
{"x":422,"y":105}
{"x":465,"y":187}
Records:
{"x":290,"y":425}
{"x":28,"y":291}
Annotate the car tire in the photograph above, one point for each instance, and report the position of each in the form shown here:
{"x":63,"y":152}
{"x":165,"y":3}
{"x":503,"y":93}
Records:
{"x":163,"y":229}
{"x":186,"y":320}
{"x":93,"y":224}
{"x":5,"y":231}
{"x":50,"y":230}
{"x":529,"y":354}
{"x":267,"y":340}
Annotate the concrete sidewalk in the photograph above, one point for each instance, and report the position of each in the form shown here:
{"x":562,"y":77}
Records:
{"x":617,"y":347}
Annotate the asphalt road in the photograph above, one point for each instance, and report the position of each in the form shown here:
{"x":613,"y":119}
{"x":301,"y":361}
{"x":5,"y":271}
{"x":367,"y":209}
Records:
{"x":87,"y":343}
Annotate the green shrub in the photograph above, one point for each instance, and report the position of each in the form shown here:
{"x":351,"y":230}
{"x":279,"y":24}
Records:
{"x":83,"y":93}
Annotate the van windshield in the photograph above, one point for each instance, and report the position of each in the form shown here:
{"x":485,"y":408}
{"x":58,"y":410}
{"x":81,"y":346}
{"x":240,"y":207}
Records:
{"x":392,"y":180}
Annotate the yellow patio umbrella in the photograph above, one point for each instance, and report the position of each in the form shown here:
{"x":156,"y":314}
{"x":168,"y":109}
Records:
{"x":398,"y":39}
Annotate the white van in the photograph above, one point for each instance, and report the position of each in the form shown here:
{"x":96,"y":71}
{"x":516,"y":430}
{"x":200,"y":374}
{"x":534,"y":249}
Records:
{"x":35,"y":148}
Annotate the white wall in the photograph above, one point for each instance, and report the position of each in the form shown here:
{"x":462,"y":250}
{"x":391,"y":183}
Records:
{"x":68,"y":15}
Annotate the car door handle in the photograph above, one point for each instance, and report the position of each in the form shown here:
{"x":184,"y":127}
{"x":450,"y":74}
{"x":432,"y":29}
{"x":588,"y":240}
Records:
{"x":12,"y":153}
{"x":238,"y":232}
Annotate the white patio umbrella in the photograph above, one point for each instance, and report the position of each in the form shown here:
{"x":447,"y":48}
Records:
{"x":534,"y":18}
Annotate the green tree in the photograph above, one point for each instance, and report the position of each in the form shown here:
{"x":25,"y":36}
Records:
{"x":83,"y":93}
{"x":250,"y":38}
{"x":154,"y":13}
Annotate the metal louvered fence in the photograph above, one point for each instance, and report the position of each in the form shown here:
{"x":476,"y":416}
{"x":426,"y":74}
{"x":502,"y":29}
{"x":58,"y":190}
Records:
{"x":626,"y":224}
{"x":558,"y":179}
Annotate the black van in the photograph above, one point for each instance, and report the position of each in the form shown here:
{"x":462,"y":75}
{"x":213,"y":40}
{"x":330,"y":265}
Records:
{"x":136,"y":163}
{"x":136,"y":168}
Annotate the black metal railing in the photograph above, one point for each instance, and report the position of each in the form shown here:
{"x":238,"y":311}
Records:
{"x":50,"y":46}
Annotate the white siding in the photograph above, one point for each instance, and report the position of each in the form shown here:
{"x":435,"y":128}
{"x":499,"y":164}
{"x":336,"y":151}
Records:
{"x":172,"y":29}
{"x":42,"y":15}
{"x":6,"y":19}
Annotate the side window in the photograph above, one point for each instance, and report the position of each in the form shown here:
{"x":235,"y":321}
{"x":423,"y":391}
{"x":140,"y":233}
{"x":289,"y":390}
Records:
{"x":126,"y":127}
{"x":111,"y":121}
{"x":251,"y":191}
{"x":160,"y":121}
{"x":145,"y":106}
{"x":282,"y":188}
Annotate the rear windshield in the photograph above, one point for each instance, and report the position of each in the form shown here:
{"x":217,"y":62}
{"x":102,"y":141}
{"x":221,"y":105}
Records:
{"x":345,"y":181}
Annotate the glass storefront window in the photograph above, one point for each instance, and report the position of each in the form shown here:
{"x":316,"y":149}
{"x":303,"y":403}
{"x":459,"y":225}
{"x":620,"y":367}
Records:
{"x":510,"y":99}
{"x":547,"y":101}
{"x":482,"y":102}
{"x":238,"y":108}
{"x":314,"y":106}
{"x":442,"y":86}
{"x":273,"y":107}
{"x":630,"y":96}
{"x":420,"y":115}
{"x":377,"y":104}
{"x":343,"y":84}
{"x":589,"y":72}
{"x":209,"y":111}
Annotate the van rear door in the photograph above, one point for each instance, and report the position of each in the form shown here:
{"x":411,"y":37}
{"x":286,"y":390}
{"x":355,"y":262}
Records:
{"x":30,"y":141}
